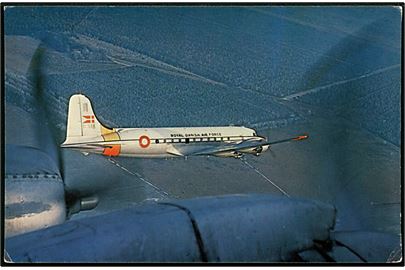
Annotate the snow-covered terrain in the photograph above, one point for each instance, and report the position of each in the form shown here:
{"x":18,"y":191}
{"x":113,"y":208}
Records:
{"x":333,"y":72}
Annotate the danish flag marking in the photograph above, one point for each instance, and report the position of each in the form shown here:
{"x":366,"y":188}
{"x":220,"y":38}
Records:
{"x":88,"y":119}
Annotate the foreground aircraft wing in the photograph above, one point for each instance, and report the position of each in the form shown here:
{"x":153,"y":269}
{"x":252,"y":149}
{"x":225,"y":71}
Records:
{"x":212,"y":150}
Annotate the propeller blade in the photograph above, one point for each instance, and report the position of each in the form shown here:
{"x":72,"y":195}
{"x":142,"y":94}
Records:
{"x":47,"y":129}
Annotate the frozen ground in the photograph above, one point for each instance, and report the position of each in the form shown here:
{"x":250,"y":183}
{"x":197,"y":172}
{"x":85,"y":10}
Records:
{"x":331,"y":72}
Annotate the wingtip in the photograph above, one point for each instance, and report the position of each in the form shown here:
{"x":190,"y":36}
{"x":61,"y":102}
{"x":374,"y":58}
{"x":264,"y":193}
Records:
{"x":301,"y":137}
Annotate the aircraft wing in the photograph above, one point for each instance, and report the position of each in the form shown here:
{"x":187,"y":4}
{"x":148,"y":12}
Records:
{"x":85,"y":146}
{"x":212,"y":150}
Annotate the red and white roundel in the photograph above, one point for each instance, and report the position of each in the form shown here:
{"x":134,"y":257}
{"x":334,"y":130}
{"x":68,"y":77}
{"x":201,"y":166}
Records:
{"x":144,"y":141}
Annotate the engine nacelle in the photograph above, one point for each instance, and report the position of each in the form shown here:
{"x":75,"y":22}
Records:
{"x":256,"y":150}
{"x":234,"y":154}
{"x":265,"y":148}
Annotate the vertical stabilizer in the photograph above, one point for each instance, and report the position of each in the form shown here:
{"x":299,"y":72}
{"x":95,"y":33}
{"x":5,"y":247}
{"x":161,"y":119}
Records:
{"x":82,"y":123}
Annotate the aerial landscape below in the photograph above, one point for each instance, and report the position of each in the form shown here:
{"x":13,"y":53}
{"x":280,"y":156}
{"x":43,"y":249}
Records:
{"x":333,"y":72}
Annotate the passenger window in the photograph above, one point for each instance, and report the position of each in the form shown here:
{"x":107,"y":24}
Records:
{"x":229,"y":138}
{"x":157,"y":141}
{"x":187,"y":140}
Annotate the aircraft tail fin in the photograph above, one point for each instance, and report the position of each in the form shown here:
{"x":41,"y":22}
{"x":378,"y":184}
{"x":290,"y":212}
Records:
{"x":82,"y":123}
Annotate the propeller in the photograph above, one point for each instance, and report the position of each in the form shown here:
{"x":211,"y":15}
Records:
{"x":272,"y":153}
{"x":48,"y":132}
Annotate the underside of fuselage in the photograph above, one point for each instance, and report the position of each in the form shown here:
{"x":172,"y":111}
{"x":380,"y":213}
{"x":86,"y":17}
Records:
{"x":163,"y":148}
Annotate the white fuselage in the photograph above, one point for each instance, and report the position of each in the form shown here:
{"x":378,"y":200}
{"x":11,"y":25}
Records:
{"x":85,"y":133}
{"x":164,"y":142}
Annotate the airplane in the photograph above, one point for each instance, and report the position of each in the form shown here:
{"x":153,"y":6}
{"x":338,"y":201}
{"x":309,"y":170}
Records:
{"x":86,"y":134}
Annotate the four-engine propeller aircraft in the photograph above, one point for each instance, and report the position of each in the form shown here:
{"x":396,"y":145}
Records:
{"x":86,"y":134}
